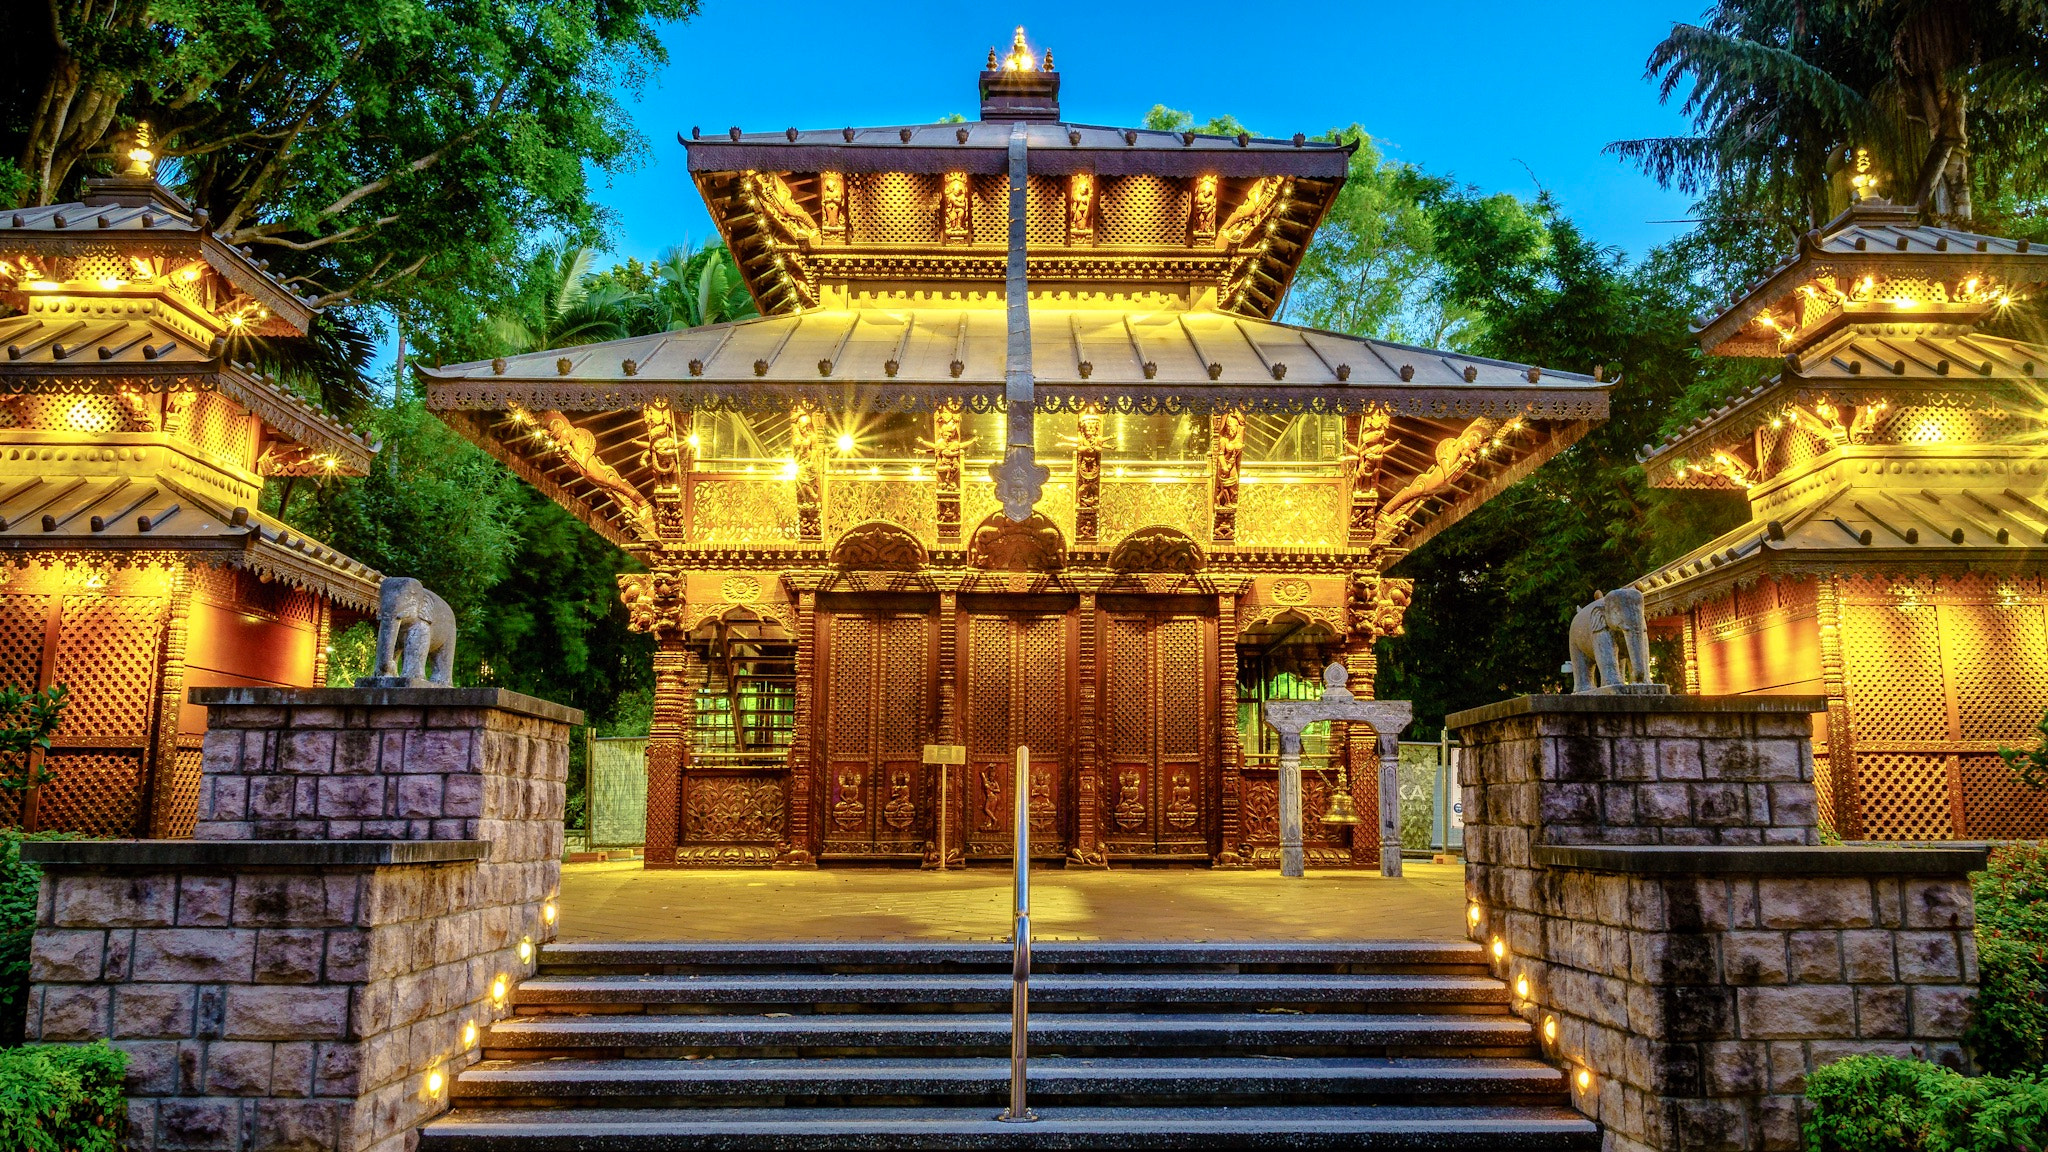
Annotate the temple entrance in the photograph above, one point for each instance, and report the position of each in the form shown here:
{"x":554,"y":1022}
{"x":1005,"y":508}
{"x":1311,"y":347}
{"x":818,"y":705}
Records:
{"x":1159,"y":738}
{"x":879,"y":687}
{"x":1016,"y":694}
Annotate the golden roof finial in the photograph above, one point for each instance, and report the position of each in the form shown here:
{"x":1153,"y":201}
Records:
{"x":141,"y":161}
{"x":1021,"y":58}
{"x":993,"y":63}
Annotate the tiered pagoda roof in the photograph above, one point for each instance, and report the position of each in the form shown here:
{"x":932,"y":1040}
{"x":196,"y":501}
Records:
{"x":1899,"y":434}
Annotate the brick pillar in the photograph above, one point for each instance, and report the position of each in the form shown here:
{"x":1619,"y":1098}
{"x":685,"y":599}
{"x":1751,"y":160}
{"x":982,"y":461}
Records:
{"x":302,"y":990}
{"x":1648,"y":869}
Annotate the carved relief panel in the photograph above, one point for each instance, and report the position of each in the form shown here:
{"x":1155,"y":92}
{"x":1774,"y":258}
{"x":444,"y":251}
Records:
{"x":878,"y":708}
{"x":1015,"y":692}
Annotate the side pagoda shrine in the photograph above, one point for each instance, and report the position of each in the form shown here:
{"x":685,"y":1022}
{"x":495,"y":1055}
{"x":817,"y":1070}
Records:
{"x":133,"y":447}
{"x":841,"y":600}
{"x":1898,"y":528}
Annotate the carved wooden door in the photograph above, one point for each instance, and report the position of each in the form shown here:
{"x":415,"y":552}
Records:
{"x":1017,"y":694}
{"x":878,"y":696}
{"x":1158,"y":777}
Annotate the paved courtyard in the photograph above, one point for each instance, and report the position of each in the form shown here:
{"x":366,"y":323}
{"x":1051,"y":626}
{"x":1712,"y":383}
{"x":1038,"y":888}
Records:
{"x":621,"y":901}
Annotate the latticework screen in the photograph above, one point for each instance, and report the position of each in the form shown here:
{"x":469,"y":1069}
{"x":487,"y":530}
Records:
{"x":94,"y":793}
{"x":177,"y":798}
{"x":1996,"y":806}
{"x":1141,"y":210}
{"x":893,"y":207}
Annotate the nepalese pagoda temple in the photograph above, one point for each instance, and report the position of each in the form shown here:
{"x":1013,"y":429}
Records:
{"x":831,"y":580}
{"x":134,"y":562}
{"x":1898,"y":531}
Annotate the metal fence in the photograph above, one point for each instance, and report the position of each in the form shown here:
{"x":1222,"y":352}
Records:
{"x":616,"y":791}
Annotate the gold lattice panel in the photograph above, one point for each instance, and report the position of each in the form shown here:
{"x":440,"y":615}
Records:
{"x":1998,"y":659}
{"x":94,"y":794}
{"x":1129,"y":504}
{"x":893,"y":207}
{"x":903,"y":659}
{"x":1045,"y":212}
{"x":57,"y":412}
{"x":1996,"y":806}
{"x":1905,"y":796}
{"x":743,"y":512}
{"x":852,"y":681}
{"x":1717,"y":614}
{"x":1824,"y":789}
{"x":1181,"y":686}
{"x":1044,"y":684}
{"x":1942,"y":425}
{"x":990,"y":219}
{"x":221,"y":429}
{"x":107,"y":655}
{"x":851,"y":500}
{"x":988,"y":686}
{"x":178,"y":796}
{"x":1141,"y":210}
{"x":1892,"y":663}
{"x":24,"y":620}
{"x":1126,"y":684}
{"x":1291,"y":515}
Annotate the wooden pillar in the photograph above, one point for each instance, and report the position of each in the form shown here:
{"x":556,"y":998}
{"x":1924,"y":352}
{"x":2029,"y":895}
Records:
{"x":323,"y":636}
{"x":667,"y":737}
{"x":1844,"y":786}
{"x":1689,"y":650}
{"x":803,"y":848}
{"x":944,"y":800}
{"x":1087,"y":849}
{"x":160,"y":768}
{"x":1359,"y":746}
{"x":1231,"y":790}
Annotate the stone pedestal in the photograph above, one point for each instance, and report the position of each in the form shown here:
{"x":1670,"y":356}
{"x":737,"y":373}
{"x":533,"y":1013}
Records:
{"x":375,"y":870}
{"x":1646,"y":872}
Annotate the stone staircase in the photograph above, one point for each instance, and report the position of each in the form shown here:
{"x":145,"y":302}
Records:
{"x":665,"y":1047}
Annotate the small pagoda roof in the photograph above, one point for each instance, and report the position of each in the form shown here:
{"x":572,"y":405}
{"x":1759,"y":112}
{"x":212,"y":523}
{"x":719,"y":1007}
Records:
{"x":136,"y":216}
{"x":1878,"y":239}
{"x":1999,"y":525}
{"x":112,"y":516}
{"x":1899,"y":363}
{"x":921,"y":357}
{"x":981,"y":147}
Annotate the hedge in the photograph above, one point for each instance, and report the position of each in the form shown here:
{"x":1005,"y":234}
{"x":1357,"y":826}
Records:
{"x":62,"y":1098}
{"x":2009,"y":1029}
{"x":1885,"y":1104}
{"x":19,"y":882}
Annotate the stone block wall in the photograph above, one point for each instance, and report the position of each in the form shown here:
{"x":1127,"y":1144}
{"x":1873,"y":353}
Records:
{"x":1594,"y":769}
{"x":1695,"y":986}
{"x":298,"y":991}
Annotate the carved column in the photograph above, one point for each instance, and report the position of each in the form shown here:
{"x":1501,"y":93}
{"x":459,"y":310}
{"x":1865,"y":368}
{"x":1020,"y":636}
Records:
{"x":667,"y":458}
{"x":946,"y":783}
{"x":323,"y":638}
{"x":654,"y":604}
{"x":1358,"y":745}
{"x":802,"y":751}
{"x":1366,"y":445}
{"x":1088,"y":474}
{"x":163,"y":759}
{"x":947,"y":448}
{"x":1689,"y":650}
{"x":1087,"y":848}
{"x":1232,"y":751}
{"x":1845,"y":793}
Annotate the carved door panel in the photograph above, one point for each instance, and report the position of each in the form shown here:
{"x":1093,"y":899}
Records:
{"x":1017,"y":694}
{"x":1159,"y":787}
{"x":878,"y":696}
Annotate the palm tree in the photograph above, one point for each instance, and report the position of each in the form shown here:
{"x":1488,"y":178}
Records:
{"x":689,"y":289}
{"x":1782,"y":92}
{"x":559,"y":304}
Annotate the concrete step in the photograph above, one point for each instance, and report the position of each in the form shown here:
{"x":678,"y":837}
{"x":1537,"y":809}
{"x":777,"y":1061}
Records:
{"x":988,"y":1034}
{"x":1446,"y":957}
{"x":1051,"y":992}
{"x":1155,"y":1081}
{"x":831,"y":1129}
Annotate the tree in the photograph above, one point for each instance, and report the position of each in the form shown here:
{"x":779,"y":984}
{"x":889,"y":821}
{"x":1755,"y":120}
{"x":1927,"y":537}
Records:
{"x":557,"y":304}
{"x":1784,"y":93}
{"x":683,"y":289}
{"x":371,"y":149}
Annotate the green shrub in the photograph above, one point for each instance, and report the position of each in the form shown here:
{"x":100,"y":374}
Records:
{"x":19,"y":883}
{"x":1885,"y":1104}
{"x":2008,"y":1031}
{"x":62,"y":1098}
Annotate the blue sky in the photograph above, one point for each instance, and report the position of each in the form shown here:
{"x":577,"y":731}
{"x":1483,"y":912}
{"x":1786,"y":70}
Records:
{"x":1487,"y":92}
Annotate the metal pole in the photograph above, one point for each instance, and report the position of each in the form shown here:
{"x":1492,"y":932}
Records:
{"x":943,"y":773}
{"x":1020,"y":946}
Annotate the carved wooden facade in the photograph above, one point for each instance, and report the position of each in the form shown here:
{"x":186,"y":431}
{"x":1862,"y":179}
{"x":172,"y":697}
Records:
{"x":133,"y":448}
{"x":838,"y":588}
{"x":1894,"y":553}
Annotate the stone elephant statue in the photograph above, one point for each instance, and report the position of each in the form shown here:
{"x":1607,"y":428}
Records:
{"x":415,"y":636}
{"x":1610,"y":642}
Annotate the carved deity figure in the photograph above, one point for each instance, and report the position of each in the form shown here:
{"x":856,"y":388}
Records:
{"x":1250,"y":215}
{"x":1130,"y":799}
{"x":803,"y":447}
{"x":665,"y":457}
{"x":898,"y":811}
{"x":1379,"y":604}
{"x":1455,"y":455}
{"x":1088,"y":445}
{"x":1864,"y":427}
{"x":953,"y":208}
{"x":832,"y":202}
{"x":1202,"y":212}
{"x":1080,"y":208}
{"x":1364,"y":456}
{"x":946,"y":446}
{"x":1180,"y":802}
{"x":1826,"y":419}
{"x":578,"y":446}
{"x":991,"y":798}
{"x":1227,"y":450}
{"x":848,"y":813}
{"x":1042,"y":814}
